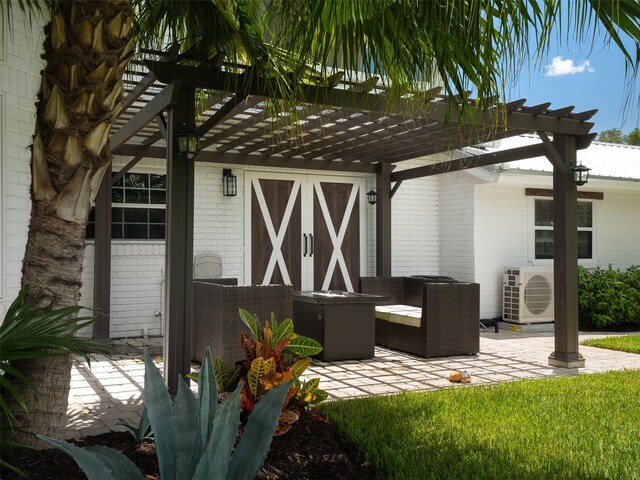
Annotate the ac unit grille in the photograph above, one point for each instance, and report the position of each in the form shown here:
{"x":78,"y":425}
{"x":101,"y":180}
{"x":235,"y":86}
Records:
{"x":528,"y":294}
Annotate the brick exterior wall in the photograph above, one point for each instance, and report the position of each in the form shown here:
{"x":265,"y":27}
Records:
{"x":20,"y":66}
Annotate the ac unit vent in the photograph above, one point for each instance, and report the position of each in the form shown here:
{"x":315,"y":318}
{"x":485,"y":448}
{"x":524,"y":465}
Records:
{"x":528,"y":294}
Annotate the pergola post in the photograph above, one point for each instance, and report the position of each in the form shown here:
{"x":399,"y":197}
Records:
{"x":179,"y":244}
{"x":565,"y":257}
{"x":383,"y":221}
{"x":102,"y":259}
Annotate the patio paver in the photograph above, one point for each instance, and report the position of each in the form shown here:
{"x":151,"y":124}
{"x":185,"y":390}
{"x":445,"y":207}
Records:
{"x":112,"y":387}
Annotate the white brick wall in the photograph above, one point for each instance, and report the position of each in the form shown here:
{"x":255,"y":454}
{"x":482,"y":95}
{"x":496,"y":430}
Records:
{"x":415,"y":243}
{"x":617,"y":230}
{"x":20,"y":66}
{"x":457,"y":226}
{"x":501,"y":231}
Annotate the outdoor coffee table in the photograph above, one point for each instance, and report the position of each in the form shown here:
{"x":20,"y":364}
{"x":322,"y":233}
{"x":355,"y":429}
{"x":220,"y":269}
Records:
{"x":343,"y":322}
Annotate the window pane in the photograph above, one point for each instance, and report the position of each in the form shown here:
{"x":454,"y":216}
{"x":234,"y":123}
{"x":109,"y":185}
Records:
{"x":136,"y":215}
{"x":117,"y":195}
{"x":135,"y":231}
{"x":136,"y":196}
{"x":156,"y":232}
{"x":120,"y":181}
{"x":544,"y":213}
{"x":116,"y":214}
{"x":157,"y":215}
{"x":91,"y":230}
{"x":585,"y":214}
{"x":544,"y":244}
{"x":158,"y":197}
{"x":92,"y":215}
{"x":116,"y":230}
{"x":585,"y":245}
{"x":136,"y":180}
{"x":158,"y":181}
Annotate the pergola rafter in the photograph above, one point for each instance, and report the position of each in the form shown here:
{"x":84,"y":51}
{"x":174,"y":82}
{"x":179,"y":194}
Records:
{"x":342,"y":126}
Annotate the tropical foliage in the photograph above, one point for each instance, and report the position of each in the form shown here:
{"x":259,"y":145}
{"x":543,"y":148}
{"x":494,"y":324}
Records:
{"x":479,"y":44}
{"x":195,"y":437}
{"x":274,"y":355}
{"x":30,"y":331}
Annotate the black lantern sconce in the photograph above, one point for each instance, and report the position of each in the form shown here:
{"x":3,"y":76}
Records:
{"x":187,"y":142}
{"x":580,"y":174}
{"x":229,"y":183}
{"x":372,"y":197}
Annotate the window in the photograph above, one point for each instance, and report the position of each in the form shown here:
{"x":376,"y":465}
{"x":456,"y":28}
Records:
{"x":544,"y":229}
{"x":138,"y":209}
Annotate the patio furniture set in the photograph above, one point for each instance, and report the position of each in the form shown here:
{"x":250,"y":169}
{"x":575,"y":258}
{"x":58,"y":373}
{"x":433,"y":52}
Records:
{"x":427,"y":316}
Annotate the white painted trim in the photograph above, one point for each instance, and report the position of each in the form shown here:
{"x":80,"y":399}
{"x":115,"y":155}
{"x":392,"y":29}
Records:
{"x":531,"y":235}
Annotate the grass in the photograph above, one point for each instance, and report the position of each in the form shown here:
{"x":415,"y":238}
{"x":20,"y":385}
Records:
{"x":623,"y":343}
{"x":582,"y":427}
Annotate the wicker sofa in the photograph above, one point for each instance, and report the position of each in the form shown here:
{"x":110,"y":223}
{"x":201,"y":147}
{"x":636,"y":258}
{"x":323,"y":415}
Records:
{"x":216,"y":316}
{"x":449,"y":321}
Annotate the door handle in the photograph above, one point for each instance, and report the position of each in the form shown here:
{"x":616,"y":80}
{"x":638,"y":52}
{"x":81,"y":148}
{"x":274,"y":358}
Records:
{"x":305,"y":244}
{"x":311,"y":239}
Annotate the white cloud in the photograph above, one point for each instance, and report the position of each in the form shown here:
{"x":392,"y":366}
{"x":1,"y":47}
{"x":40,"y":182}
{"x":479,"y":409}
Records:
{"x":560,"y":67}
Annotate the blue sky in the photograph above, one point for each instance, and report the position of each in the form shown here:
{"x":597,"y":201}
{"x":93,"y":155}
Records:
{"x":586,"y":78}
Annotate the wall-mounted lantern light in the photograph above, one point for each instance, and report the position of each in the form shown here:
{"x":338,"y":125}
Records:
{"x":580,"y":174}
{"x":372,"y":197}
{"x":229,"y":183}
{"x":187,"y":142}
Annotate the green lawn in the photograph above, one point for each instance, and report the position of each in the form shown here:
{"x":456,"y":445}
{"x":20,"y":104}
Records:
{"x":582,"y":427}
{"x":623,"y":343}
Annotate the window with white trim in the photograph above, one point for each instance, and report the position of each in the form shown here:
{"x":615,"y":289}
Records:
{"x":543,"y":226}
{"x":138,"y":208}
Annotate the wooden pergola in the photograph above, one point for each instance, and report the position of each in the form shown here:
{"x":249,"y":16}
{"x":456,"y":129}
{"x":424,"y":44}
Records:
{"x":344,"y":126}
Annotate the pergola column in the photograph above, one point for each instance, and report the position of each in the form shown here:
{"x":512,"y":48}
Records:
{"x":179,"y":243}
{"x":565,"y":257}
{"x":102,"y":259}
{"x":383,"y":220}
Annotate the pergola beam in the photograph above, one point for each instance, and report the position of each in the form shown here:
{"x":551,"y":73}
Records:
{"x":470,"y":162}
{"x":164,"y":100}
{"x":434,"y":110}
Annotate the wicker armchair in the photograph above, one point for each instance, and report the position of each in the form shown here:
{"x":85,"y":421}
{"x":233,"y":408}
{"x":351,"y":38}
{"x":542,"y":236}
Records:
{"x":216,"y":319}
{"x":450,"y":315}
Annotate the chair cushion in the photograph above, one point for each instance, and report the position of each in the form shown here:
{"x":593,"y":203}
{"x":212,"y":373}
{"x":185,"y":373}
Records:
{"x":402,"y":314}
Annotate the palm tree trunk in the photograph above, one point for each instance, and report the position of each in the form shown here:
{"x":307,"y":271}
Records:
{"x":87,"y":48}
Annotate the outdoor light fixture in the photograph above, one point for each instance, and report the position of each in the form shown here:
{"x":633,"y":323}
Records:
{"x":580,"y":174}
{"x":229,"y":183}
{"x":372,"y":197}
{"x":187,"y":142}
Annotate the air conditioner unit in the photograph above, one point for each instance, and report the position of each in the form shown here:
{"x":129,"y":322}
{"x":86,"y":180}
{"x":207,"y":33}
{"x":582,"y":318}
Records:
{"x":527,"y":294}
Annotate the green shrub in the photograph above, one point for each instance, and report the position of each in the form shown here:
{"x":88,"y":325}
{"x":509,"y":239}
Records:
{"x":608,"y":297}
{"x":31,"y":331}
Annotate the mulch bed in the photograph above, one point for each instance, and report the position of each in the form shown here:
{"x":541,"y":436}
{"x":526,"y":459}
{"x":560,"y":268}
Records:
{"x":312,"y":450}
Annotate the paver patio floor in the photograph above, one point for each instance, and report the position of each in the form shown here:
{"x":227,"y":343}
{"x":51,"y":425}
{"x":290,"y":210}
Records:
{"x":112,"y":387}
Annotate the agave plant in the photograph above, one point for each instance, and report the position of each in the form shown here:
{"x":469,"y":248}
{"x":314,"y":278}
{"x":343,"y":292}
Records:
{"x":274,"y":355}
{"x":195,"y":437}
{"x":31,"y":331}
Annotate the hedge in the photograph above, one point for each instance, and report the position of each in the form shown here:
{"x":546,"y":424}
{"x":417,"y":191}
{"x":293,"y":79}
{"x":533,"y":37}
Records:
{"x":608,"y":297}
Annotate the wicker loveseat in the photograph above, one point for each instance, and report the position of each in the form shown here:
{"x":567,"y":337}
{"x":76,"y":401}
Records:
{"x":449,"y":320}
{"x":216,"y":319}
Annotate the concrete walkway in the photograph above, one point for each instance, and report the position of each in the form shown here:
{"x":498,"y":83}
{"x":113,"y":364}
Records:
{"x":112,"y":387}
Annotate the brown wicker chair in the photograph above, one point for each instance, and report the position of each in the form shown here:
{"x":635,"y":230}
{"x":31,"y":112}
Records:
{"x":450,"y":315}
{"x":216,"y":319}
